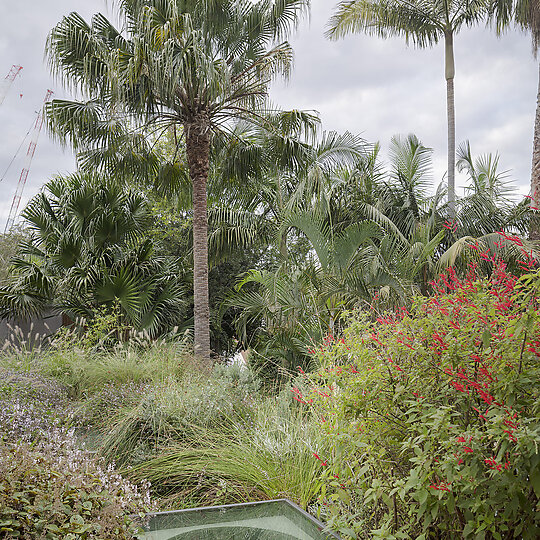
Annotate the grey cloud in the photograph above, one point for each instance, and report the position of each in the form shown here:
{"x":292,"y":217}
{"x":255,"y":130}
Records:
{"x":362,"y":84}
{"x":382,"y":87}
{"x":24,"y":27}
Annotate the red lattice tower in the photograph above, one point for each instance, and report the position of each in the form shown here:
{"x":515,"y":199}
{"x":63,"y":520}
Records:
{"x":6,"y":83}
{"x":26,"y":169}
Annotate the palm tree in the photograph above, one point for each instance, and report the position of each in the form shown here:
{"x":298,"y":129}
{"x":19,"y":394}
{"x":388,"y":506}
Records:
{"x":190,"y":66}
{"x":424,"y":23}
{"x":526,"y":14}
{"x":298,"y":305}
{"x":86,"y":248}
{"x":289,"y":167}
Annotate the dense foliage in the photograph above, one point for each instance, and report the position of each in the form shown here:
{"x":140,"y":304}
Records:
{"x":87,"y":250}
{"x":51,"y":488}
{"x":372,"y":229}
{"x":434,"y":414}
{"x":416,"y":413}
{"x":423,"y":422}
{"x":201,"y":438}
{"x":54,"y":490}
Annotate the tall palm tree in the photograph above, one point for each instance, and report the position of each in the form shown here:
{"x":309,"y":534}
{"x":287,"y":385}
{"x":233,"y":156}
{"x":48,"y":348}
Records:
{"x":424,"y":23}
{"x":187,"y":65}
{"x":527,"y":15}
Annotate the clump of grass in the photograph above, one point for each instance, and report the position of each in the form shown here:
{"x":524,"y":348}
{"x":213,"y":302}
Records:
{"x":84,"y":372}
{"x":267,"y":453}
{"x":25,"y":344}
{"x":96,"y":409}
{"x":176,"y":410}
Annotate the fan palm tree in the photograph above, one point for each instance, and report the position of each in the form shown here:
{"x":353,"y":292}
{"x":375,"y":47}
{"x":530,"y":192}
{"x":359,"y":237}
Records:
{"x":423,"y":23}
{"x":86,"y":248}
{"x":188,"y":65}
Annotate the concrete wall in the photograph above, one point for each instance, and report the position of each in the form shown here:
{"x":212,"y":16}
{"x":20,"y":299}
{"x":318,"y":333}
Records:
{"x":32,"y":332}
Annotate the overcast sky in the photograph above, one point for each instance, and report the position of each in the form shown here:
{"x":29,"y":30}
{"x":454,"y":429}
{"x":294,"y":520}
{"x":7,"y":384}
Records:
{"x":365,"y":85}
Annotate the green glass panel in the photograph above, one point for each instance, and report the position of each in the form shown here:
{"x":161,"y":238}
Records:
{"x":276,"y":520}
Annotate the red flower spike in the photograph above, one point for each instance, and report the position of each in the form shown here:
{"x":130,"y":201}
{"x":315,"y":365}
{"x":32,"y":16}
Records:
{"x":442,"y":486}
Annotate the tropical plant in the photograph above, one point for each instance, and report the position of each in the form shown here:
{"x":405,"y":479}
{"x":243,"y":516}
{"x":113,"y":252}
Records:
{"x":487,"y":205}
{"x":370,"y":232}
{"x":191,"y":66}
{"x":9,"y":244}
{"x":295,"y":168}
{"x":424,"y":23}
{"x":434,"y":414}
{"x":298,"y":305}
{"x":87,"y":248}
{"x":526,"y":15}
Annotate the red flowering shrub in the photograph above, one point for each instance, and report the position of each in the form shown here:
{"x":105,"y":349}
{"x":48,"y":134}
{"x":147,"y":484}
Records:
{"x":435,"y":415}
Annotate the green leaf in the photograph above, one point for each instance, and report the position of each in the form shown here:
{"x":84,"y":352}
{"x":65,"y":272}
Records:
{"x":79,"y":520}
{"x":468,"y":529}
{"x":486,"y":338}
{"x":535,"y":480}
{"x":422,"y":495}
{"x":344,"y":496}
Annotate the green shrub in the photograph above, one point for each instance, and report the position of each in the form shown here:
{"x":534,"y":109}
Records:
{"x":52,"y":490}
{"x":435,"y":416}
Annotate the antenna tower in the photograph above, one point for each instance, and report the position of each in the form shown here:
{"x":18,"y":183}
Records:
{"x":6,"y":83}
{"x":26,"y":169}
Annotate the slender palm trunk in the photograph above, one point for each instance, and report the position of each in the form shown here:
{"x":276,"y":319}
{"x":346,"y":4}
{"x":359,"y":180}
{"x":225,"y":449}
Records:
{"x":283,"y":236}
{"x":198,"y":151}
{"x":283,"y":247}
{"x":449,"y":74}
{"x":534,"y":232}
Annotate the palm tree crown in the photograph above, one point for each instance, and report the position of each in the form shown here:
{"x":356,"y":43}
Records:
{"x":86,"y":248}
{"x":422,"y":23}
{"x":187,"y":64}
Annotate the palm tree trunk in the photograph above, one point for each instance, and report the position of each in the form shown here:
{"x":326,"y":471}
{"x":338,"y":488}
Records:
{"x":198,"y":152}
{"x":283,"y":236}
{"x":534,"y":232}
{"x":451,"y":114}
{"x":283,"y":247}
